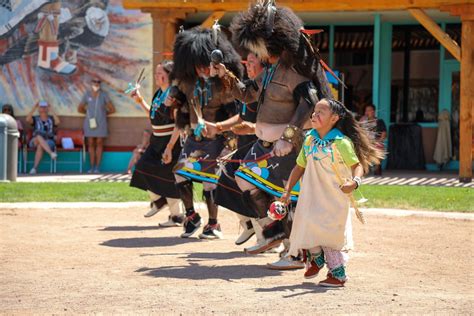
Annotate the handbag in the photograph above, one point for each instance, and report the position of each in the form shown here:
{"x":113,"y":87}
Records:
{"x":92,"y":120}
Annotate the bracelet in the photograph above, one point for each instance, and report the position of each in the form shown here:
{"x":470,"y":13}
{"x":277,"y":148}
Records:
{"x":358,"y":181}
{"x":219,"y":127}
{"x":140,"y":99}
{"x":293,"y":135}
{"x":169,"y":145}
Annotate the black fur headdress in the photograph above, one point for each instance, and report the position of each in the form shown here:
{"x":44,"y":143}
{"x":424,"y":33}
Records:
{"x":268,"y":30}
{"x":193,"y":47}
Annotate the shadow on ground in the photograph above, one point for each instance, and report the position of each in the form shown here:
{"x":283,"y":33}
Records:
{"x":195,"y":271}
{"x":204,"y":256}
{"x":129,"y":228}
{"x":296,"y":289}
{"x":147,"y":242}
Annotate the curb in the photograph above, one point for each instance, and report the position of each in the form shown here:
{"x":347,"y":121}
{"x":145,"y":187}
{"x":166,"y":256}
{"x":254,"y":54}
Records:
{"x":125,"y":205}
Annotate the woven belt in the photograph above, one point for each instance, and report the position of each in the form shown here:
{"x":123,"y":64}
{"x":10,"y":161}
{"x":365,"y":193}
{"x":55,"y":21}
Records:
{"x":163,"y":130}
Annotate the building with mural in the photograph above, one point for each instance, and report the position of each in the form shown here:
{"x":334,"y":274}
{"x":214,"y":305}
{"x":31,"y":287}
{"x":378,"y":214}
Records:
{"x":411,"y":59}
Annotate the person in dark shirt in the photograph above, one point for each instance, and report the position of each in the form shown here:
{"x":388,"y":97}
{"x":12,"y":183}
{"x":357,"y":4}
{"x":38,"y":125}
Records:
{"x":44,"y":132}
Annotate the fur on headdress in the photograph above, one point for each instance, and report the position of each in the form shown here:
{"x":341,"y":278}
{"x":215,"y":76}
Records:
{"x":193,"y":47}
{"x":268,"y":30}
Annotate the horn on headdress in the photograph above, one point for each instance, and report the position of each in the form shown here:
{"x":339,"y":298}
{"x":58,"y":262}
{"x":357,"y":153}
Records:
{"x":270,"y":8}
{"x":216,"y":29}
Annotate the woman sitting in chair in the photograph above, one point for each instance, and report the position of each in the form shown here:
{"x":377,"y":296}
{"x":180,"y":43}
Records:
{"x":44,"y":127}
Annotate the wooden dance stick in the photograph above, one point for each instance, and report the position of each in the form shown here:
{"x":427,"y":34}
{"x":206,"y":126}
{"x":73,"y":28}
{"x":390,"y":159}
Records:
{"x":359,"y":214}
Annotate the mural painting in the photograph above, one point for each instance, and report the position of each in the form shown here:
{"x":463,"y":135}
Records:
{"x":51,"y":50}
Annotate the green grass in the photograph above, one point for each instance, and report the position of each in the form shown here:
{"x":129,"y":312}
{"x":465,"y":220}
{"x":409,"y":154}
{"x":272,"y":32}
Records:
{"x":70,"y":192}
{"x":419,"y":197}
{"x":403,"y":197}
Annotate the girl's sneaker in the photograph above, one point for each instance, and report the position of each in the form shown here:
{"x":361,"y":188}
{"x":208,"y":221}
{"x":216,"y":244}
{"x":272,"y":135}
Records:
{"x":332,"y":282}
{"x":312,"y":270}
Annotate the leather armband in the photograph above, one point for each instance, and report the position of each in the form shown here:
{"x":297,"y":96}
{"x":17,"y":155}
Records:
{"x":229,"y":79}
{"x":293,"y":135}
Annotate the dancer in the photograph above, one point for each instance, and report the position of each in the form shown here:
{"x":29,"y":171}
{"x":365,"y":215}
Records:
{"x":228,"y":193}
{"x":283,"y":91}
{"x":207,"y":99}
{"x":337,"y":146}
{"x":139,"y":150}
{"x":154,"y":171}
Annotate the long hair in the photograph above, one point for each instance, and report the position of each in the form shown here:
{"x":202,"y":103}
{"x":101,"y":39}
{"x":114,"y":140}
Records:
{"x":9,"y":107}
{"x":365,"y":148}
{"x":267,"y":30}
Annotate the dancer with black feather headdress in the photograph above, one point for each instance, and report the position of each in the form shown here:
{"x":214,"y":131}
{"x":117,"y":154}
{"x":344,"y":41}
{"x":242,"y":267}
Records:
{"x":207,"y":99}
{"x":292,"y":82}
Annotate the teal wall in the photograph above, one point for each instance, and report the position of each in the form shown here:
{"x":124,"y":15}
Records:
{"x":116,"y":162}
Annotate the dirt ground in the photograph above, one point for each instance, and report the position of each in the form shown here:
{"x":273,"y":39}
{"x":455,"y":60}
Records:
{"x":115,"y":261}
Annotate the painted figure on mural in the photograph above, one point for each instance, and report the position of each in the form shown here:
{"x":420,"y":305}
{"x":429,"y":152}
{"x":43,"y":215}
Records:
{"x":54,"y":29}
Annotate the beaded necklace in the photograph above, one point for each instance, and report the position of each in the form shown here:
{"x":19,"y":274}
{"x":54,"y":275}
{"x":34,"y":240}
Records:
{"x":158,"y":101}
{"x":322,"y":145}
{"x":204,"y":95}
{"x":267,"y":78}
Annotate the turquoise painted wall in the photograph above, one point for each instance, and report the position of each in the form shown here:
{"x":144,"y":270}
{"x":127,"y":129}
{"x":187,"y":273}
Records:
{"x":68,"y":162}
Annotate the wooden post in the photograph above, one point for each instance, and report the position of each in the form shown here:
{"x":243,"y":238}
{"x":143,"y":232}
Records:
{"x":165,"y":26}
{"x":466,"y":100}
{"x":466,"y":11}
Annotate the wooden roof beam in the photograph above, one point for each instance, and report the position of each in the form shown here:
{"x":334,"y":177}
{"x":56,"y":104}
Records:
{"x":216,"y":15}
{"x":435,"y":30}
{"x":296,"y":5}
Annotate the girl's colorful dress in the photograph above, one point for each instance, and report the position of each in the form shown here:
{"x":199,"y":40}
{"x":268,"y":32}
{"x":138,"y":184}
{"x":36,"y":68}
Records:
{"x":322,"y":217}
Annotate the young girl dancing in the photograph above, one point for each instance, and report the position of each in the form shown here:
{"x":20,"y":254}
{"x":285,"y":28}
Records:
{"x":337,"y":147}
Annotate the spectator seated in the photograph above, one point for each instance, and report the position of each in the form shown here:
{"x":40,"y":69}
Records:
{"x":77,"y":137}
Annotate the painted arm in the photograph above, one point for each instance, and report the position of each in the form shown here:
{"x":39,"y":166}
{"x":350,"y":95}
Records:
{"x":168,"y":153}
{"x":304,"y":96}
{"x":295,"y":176}
{"x":140,"y":100}
{"x":247,"y":92}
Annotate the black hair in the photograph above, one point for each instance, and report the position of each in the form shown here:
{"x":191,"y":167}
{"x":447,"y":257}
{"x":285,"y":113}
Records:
{"x":10,"y":107}
{"x":370,"y":105}
{"x":193,"y":48}
{"x":366,"y":149}
{"x":285,"y":39}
